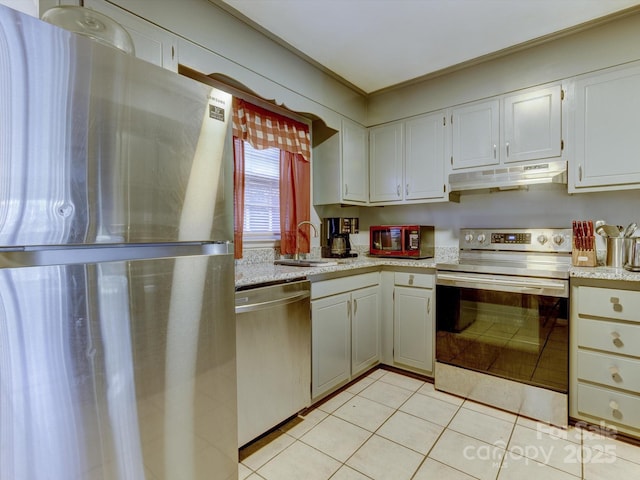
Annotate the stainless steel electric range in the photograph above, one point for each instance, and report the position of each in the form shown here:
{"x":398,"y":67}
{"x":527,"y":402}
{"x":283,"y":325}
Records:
{"x":502,"y":321}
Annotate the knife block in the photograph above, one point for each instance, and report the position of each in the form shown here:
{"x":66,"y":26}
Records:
{"x":583,"y":258}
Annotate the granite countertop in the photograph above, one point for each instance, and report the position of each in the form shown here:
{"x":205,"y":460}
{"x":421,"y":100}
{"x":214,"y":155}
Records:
{"x":604,"y":273}
{"x":257,"y":273}
{"x":266,"y":272}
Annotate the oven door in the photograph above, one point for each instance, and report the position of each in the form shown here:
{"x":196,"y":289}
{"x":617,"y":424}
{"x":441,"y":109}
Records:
{"x":506,"y":326}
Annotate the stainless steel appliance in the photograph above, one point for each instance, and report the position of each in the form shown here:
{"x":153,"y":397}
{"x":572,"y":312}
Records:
{"x":273,"y":328}
{"x":335,"y":241}
{"x":117,"y":328}
{"x":502,"y":321}
{"x":402,"y":241}
{"x":509,"y":177}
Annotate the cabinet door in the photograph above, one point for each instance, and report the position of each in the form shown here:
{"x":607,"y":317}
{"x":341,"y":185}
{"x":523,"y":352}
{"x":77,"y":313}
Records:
{"x":532,"y":125}
{"x":424,"y":157}
{"x":475,"y":134}
{"x":330,"y":343}
{"x":386,"y":181}
{"x":365,"y":329}
{"x":355,"y":171}
{"x":413,"y":327}
{"x":151,"y":43}
{"x":607,"y":115}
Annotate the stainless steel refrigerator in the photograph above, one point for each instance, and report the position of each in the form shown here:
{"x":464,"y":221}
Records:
{"x":117,"y":329}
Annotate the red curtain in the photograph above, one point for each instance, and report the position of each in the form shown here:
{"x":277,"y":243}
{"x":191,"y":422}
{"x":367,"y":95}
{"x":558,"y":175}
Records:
{"x":265,"y":129}
{"x":295,"y":178}
{"x":238,"y":195}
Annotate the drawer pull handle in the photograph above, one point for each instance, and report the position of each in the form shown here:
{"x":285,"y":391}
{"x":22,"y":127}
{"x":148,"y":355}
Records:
{"x":617,"y":306}
{"x":614,"y":405}
{"x":615,"y":374}
{"x":616,"y":340}
{"x":411,"y":279}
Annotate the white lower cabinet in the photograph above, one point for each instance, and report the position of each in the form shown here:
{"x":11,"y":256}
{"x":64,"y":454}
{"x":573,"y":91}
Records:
{"x":605,"y":356}
{"x":345,"y":330}
{"x":413,"y":328}
{"x":330,"y":343}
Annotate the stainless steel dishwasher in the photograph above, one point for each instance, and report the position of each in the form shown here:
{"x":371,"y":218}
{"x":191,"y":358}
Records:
{"x":273,"y":339}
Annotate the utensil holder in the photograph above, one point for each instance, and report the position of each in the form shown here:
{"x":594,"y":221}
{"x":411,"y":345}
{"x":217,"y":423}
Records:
{"x":584,"y":257}
{"x":615,"y":252}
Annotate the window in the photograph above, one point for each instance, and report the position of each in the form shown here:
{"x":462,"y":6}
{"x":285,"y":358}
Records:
{"x":261,"y":193}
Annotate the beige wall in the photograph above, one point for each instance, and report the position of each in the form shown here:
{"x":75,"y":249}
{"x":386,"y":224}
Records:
{"x":244,"y":49}
{"x":599,"y":47}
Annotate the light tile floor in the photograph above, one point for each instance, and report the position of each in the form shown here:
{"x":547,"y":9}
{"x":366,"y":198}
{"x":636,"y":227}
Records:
{"x":395,"y":427}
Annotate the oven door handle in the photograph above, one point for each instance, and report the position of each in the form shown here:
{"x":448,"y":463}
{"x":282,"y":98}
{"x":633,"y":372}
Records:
{"x":478,"y":282}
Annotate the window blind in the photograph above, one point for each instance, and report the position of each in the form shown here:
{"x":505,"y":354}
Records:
{"x":261,"y":193}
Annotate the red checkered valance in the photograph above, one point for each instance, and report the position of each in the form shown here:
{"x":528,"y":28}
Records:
{"x":265,"y":129}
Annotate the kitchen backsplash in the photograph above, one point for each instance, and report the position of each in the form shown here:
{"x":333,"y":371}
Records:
{"x":253,"y":256}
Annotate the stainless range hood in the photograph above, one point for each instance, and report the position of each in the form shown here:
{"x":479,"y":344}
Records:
{"x":509,"y":178}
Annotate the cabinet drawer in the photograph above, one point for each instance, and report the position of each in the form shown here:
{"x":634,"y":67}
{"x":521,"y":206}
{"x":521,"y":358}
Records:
{"x":613,"y":337}
{"x":610,"y":303}
{"x":325,"y":288}
{"x":609,"y":370}
{"x":609,"y":405}
{"x":421,"y":280}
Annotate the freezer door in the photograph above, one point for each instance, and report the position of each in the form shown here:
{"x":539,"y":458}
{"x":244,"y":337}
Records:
{"x":101,"y":147}
{"x":119,"y":370}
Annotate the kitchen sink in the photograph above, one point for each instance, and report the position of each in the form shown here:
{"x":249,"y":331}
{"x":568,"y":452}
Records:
{"x":304,"y":262}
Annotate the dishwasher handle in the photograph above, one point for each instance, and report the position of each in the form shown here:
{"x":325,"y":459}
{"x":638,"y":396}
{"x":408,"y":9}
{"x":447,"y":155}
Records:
{"x":252,"y":307}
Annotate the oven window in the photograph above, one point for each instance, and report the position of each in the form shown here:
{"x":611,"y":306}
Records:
{"x":517,"y":336}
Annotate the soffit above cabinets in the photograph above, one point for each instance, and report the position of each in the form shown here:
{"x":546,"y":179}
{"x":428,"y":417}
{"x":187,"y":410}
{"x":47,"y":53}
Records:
{"x":376,"y":44}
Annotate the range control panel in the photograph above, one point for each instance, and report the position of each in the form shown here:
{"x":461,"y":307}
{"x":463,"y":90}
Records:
{"x":522,"y":238}
{"x":516,"y":239}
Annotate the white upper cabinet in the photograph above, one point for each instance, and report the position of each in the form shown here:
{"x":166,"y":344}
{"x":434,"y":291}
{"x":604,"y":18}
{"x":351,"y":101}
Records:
{"x":475,"y":134}
{"x":386,"y":166}
{"x":512,"y":128}
{"x":340,"y":165}
{"x":532,"y":125}
{"x":151,"y":43}
{"x":406,"y":160}
{"x":424,"y":156}
{"x":355,"y":171}
{"x":605,"y":131}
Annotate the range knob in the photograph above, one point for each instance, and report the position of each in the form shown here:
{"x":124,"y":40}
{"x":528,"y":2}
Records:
{"x":542,"y":239}
{"x":468,"y":237}
{"x":558,"y":239}
{"x":482,"y":237}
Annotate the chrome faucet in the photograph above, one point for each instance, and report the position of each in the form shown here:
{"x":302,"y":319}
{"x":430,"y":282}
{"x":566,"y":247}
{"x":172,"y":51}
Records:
{"x":296,"y":256}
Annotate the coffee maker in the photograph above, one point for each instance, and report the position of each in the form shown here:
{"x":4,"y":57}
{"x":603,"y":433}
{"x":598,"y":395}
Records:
{"x":334,"y":233}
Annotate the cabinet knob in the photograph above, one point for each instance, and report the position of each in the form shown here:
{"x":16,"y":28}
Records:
{"x":617,"y":306}
{"x":615,"y":374}
{"x":614,"y":405}
{"x":616,"y":339}
{"x":411,"y":279}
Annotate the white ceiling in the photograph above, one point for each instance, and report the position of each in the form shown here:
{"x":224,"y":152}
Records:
{"x":374,"y":44}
